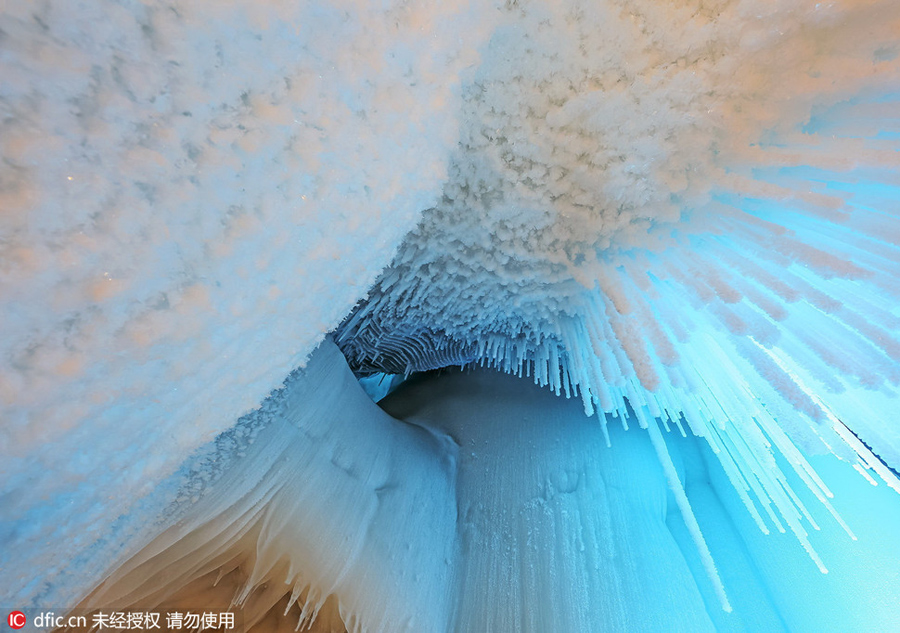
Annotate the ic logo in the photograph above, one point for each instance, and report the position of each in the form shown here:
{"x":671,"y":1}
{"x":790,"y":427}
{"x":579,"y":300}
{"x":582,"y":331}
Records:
{"x":16,"y":619}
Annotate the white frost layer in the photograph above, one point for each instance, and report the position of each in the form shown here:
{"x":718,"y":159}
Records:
{"x":597,"y":134}
{"x":192,"y":194}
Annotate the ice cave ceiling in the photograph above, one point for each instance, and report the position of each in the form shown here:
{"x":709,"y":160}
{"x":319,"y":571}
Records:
{"x":683,"y":216}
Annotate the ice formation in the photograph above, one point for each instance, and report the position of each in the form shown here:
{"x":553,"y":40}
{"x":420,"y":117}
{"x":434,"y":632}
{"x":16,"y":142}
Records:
{"x":684,"y":213}
{"x":689,"y":214}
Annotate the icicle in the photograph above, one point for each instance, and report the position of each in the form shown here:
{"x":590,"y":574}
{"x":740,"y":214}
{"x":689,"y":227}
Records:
{"x":687,"y":513}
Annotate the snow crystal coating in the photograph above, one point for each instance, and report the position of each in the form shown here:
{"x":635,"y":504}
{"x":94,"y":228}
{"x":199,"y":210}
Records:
{"x":192,"y":194}
{"x":598,"y":136}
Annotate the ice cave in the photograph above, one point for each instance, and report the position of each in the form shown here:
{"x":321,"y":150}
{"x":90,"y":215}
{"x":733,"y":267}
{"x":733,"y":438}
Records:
{"x":540,"y":316}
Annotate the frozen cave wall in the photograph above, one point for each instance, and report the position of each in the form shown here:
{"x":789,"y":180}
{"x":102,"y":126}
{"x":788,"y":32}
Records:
{"x":685,"y":215}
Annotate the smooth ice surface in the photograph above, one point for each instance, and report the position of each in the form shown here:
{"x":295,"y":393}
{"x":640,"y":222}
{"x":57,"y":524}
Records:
{"x":557,"y":532}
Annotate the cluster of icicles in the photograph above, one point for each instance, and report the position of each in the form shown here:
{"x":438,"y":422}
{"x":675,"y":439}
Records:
{"x":764,"y":333}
